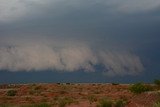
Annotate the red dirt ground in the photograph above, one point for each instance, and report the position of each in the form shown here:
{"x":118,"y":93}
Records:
{"x":80,"y":93}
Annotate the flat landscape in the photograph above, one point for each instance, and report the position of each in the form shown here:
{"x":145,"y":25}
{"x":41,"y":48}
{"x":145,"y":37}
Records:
{"x":76,"y":95}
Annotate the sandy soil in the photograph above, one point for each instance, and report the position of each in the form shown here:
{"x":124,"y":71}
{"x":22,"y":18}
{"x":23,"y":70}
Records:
{"x":76,"y":95}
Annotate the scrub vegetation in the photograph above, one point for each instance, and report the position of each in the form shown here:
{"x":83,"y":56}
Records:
{"x":81,"y":95}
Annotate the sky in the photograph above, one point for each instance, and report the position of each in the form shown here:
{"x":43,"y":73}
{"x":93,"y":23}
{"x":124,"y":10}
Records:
{"x":79,"y":41}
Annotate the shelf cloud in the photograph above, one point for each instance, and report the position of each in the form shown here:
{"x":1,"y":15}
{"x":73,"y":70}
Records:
{"x":60,"y":56}
{"x":111,"y":37}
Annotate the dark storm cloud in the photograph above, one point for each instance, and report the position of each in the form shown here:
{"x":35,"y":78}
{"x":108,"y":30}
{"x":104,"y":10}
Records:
{"x":53,"y":54}
{"x":115,"y":29}
{"x":111,"y":20}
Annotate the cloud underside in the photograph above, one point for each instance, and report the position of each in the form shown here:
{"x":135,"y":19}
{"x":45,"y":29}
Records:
{"x":18,"y":9}
{"x":39,"y":57}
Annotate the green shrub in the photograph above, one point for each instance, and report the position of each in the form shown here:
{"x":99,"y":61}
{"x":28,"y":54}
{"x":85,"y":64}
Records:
{"x":92,"y":99}
{"x":62,"y":103}
{"x":29,"y":105}
{"x":65,"y":101}
{"x":41,"y":105}
{"x":4,"y":105}
{"x":37,"y":105}
{"x":156,"y":104}
{"x":157,"y":82}
{"x":139,"y":88}
{"x":104,"y":103}
{"x":11,"y":93}
{"x":120,"y":103}
{"x":35,"y":89}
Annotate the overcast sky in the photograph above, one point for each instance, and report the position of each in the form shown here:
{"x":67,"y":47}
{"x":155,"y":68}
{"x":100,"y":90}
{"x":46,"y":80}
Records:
{"x":112,"y":38}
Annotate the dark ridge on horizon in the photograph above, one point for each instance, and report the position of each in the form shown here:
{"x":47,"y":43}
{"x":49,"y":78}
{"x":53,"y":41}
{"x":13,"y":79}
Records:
{"x":72,"y":77}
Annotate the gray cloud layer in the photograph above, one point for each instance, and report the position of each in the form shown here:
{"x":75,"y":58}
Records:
{"x":102,"y":30}
{"x":18,"y":9}
{"x":66,"y":57}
